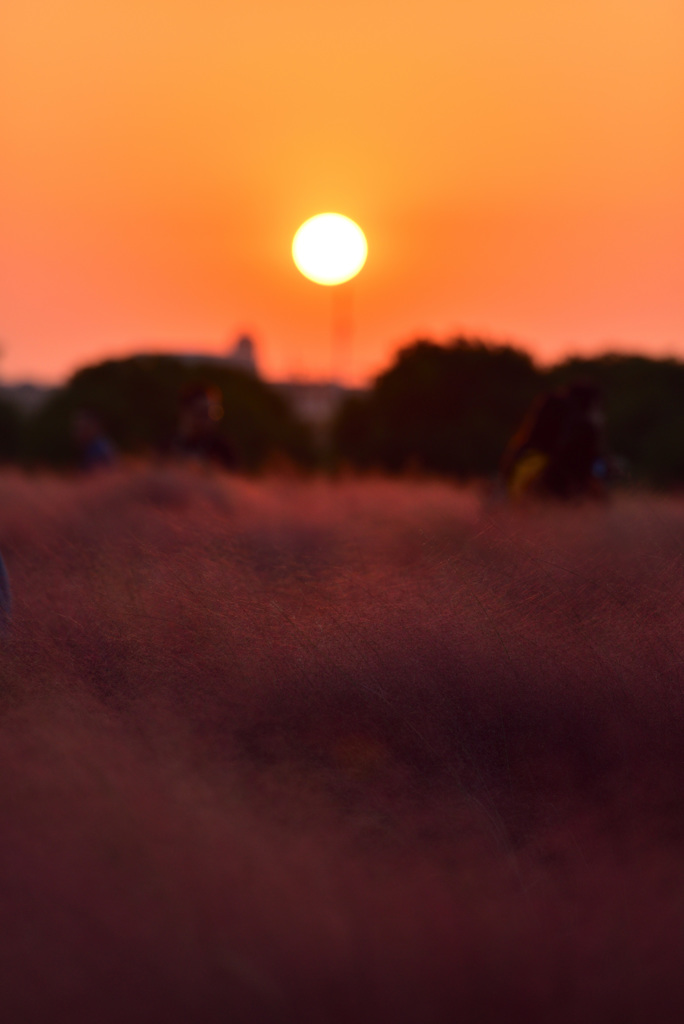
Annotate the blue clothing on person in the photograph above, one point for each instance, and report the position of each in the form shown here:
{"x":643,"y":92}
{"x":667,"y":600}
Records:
{"x":99,"y":452}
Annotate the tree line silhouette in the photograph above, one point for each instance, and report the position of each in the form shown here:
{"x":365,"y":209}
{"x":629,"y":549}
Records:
{"x":138,"y":401}
{"x":446,"y":409}
{"x":451,"y":409}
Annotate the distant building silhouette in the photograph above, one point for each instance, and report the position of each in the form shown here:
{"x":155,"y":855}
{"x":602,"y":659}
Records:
{"x":240,"y":356}
{"x":243,"y":354}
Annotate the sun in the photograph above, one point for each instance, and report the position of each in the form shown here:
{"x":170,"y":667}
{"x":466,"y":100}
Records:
{"x":329,"y":248}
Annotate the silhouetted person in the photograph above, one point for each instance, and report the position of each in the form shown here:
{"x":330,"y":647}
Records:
{"x":95,"y":449}
{"x":201,"y":411}
{"x":559,"y":449}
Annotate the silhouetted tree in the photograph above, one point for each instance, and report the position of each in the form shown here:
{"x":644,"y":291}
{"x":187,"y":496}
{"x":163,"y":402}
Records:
{"x":137,"y":402}
{"x":446,"y":409}
{"x":644,"y":404}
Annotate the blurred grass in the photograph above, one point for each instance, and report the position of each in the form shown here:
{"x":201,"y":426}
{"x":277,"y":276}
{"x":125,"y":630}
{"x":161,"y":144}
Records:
{"x":331,"y":751}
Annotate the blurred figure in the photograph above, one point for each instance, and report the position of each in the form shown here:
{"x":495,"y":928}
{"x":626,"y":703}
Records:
{"x":95,"y":449}
{"x":559,"y":450}
{"x":199,"y":437}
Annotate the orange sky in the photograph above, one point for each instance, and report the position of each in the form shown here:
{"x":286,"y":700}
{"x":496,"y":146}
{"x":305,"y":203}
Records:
{"x":517,"y":166}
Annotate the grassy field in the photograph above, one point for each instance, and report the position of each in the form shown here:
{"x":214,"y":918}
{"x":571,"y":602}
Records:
{"x":324,"y":752}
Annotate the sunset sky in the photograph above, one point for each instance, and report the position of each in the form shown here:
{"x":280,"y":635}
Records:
{"x":517,"y":167}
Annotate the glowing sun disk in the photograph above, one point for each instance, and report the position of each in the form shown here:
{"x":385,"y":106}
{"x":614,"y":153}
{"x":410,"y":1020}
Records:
{"x":329,"y":248}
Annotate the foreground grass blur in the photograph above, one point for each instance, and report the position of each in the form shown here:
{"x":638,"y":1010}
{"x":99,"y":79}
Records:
{"x":321,"y":752}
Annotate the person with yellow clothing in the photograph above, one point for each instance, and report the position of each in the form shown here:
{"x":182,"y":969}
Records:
{"x":558,"y":451}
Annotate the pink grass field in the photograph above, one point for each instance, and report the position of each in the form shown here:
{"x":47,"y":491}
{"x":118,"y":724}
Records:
{"x":360,"y":751}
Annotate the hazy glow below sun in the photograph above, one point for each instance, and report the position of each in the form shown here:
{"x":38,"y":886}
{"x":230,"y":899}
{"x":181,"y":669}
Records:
{"x":329,"y":248}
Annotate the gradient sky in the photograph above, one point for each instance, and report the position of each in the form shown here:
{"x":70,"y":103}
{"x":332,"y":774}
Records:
{"x":517,"y":166}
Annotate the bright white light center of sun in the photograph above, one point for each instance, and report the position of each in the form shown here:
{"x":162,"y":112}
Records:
{"x":329,"y":248}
